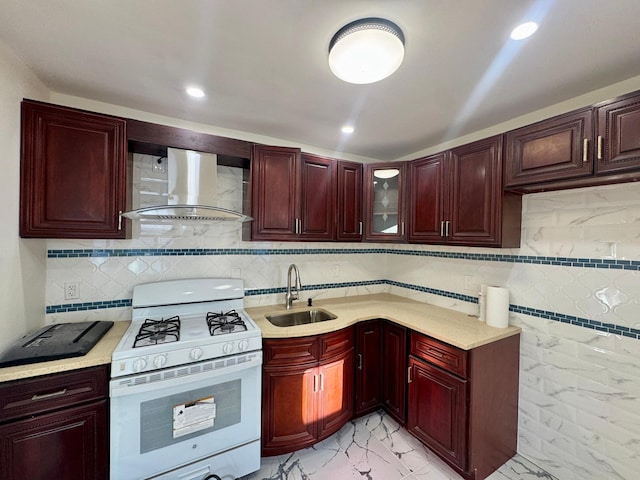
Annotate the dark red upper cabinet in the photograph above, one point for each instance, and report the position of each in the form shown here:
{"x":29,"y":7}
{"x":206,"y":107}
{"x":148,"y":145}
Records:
{"x":427,"y":199}
{"x":477,"y":203}
{"x":317,"y":197}
{"x":384,"y":192}
{"x":349,"y":206}
{"x":274,"y":184}
{"x":293,"y":195}
{"x":556,"y":149}
{"x":618,"y":141}
{"x":457,"y":198}
{"x":73,"y":173}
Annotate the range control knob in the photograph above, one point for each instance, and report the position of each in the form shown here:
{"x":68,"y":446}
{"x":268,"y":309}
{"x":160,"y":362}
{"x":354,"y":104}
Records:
{"x":243,"y":345}
{"x":139,"y":364}
{"x":227,"y":348}
{"x":160,"y":361}
{"x":195,"y":353}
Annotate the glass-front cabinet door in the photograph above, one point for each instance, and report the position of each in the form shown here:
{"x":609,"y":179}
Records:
{"x":384,"y":202}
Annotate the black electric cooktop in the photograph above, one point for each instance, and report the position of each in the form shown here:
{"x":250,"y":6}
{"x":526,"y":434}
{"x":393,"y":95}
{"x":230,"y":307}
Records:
{"x":61,"y":340}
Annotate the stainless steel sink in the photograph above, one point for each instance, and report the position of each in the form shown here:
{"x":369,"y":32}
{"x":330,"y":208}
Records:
{"x":303,"y":317}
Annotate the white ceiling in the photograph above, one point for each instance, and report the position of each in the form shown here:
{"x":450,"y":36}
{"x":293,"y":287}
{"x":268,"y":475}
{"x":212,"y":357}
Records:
{"x":263,"y":63}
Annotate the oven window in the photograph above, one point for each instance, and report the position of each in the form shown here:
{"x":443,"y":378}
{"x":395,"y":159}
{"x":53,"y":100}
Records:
{"x":157,"y":416}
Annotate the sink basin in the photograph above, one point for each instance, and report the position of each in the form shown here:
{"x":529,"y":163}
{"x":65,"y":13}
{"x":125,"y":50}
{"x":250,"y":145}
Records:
{"x":303,"y":317}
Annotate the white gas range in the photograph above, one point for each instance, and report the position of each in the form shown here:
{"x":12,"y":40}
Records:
{"x":185,"y":388}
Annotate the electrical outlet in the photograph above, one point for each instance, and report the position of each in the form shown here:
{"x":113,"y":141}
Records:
{"x":469,"y":283}
{"x":71,"y":291}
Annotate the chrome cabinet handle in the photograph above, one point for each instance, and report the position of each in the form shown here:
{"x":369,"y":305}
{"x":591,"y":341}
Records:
{"x":359,"y":361}
{"x":409,"y":379}
{"x":402,"y":223}
{"x":585,"y":150}
{"x":120,"y":220}
{"x":442,"y":228}
{"x":315,"y":382}
{"x":360,"y":226}
{"x":446,"y":228}
{"x":322,"y":382}
{"x":435,"y":353}
{"x":49,"y":395}
{"x":599,"y":147}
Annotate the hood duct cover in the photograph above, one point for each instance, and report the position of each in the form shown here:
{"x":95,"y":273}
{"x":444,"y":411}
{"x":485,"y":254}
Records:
{"x":192,"y":192}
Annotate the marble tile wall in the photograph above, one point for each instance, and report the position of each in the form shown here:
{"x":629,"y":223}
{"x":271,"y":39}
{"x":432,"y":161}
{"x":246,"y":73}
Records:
{"x":574,"y":284}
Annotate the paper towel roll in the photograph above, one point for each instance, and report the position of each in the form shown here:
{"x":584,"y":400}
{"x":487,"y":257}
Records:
{"x":482,"y":303}
{"x":497,"y":310}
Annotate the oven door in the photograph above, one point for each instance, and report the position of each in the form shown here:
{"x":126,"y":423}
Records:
{"x":168,"y":419}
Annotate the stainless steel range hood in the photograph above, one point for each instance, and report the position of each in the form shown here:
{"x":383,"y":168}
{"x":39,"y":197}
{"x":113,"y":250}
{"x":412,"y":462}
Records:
{"x":192,"y":192}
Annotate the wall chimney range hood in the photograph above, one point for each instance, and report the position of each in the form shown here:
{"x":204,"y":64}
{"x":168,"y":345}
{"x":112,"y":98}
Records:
{"x":191,"y":193}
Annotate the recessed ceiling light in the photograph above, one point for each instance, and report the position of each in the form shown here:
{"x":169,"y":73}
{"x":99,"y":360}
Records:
{"x":195,"y":92}
{"x":524,"y":30}
{"x":347,"y":129}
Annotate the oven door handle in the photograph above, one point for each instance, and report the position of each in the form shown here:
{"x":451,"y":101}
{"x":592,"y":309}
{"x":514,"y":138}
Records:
{"x":150,"y":382}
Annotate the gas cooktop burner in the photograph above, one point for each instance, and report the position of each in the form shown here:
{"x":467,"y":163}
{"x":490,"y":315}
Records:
{"x":154,"y":332}
{"x":221,"y":323}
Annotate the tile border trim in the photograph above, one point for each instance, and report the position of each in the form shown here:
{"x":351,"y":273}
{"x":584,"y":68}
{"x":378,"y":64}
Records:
{"x":84,"y":306}
{"x":534,"y":312}
{"x":633,"y":265}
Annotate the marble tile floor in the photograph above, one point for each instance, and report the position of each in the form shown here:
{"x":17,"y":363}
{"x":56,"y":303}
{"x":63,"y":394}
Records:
{"x":375,"y":447}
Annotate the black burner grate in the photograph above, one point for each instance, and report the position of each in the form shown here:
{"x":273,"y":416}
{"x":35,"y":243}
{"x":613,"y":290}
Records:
{"x":221,"y":323}
{"x":153,"y":332}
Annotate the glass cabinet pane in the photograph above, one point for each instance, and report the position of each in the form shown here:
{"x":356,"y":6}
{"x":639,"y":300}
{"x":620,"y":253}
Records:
{"x":385,"y":206}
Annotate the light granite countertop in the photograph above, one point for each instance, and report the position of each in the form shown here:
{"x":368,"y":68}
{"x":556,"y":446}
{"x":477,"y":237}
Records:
{"x":98,"y":355}
{"x":455,"y":328}
{"x":458,"y":329}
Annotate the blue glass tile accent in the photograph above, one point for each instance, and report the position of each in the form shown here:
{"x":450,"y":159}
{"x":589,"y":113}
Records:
{"x":555,"y":316}
{"x":76,"y":307}
{"x":528,"y":259}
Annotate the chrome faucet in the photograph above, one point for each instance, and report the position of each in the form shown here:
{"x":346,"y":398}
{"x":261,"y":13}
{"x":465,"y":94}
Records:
{"x":290,"y":296}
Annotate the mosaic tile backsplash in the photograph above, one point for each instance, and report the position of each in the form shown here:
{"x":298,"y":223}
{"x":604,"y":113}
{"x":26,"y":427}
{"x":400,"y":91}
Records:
{"x":574,"y":286}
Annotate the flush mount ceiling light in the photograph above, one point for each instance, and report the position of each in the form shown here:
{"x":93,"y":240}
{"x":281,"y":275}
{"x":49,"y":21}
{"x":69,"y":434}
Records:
{"x":366,"y":51}
{"x":347,"y":129}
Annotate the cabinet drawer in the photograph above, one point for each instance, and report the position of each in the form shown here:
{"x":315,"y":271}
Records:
{"x":41,"y":394}
{"x":441,"y":354}
{"x":336,"y":343}
{"x":290,"y":351}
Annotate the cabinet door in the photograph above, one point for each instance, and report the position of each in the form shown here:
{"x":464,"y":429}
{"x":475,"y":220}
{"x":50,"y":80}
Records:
{"x":69,"y":444}
{"x":384,"y":201}
{"x":73,"y":173}
{"x":556,"y":149}
{"x":394,"y":354}
{"x":289,"y":409}
{"x":475,"y":206}
{"x":438,"y":411}
{"x":618,"y":144}
{"x":349,"y":205}
{"x":427,"y":199}
{"x":368,"y":366}
{"x":317,"y":198}
{"x":335,"y":391}
{"x":274,"y":183}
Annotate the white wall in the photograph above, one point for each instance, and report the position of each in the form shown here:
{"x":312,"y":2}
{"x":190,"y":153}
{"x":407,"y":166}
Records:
{"x":22,"y":262}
